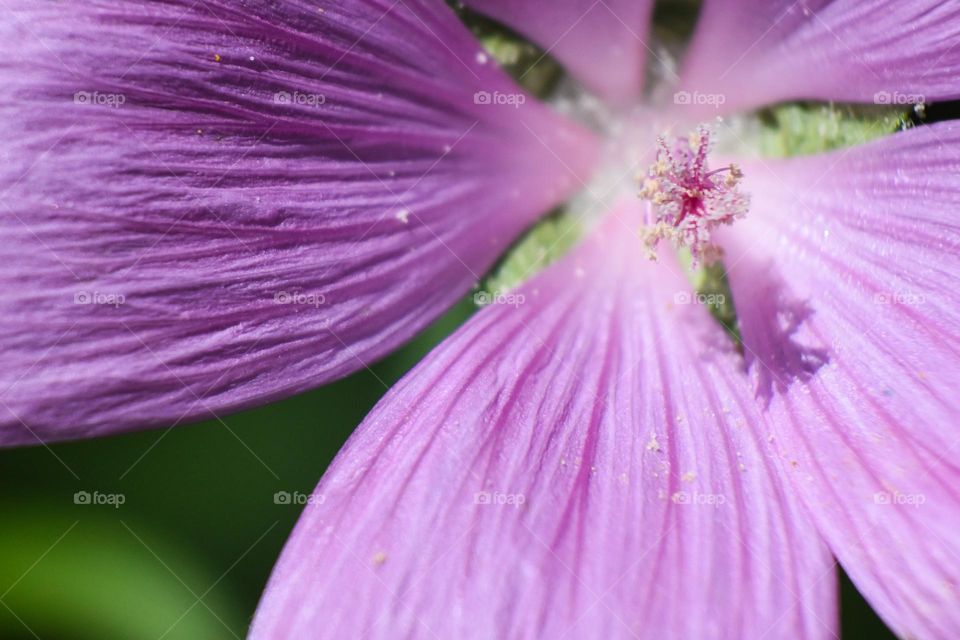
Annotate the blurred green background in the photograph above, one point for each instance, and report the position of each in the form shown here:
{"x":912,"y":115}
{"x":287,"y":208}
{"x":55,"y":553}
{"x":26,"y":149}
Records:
{"x":189,"y":551}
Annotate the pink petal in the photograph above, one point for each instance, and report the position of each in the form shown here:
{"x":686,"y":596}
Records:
{"x":582,"y":460}
{"x":757,"y":52}
{"x":602,"y":43}
{"x":846,"y":278}
{"x":209,"y":206}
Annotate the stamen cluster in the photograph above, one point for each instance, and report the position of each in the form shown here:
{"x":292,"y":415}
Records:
{"x":689,"y":201}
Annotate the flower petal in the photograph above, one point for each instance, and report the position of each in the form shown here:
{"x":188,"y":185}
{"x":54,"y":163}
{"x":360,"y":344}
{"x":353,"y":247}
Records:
{"x":580,"y":460}
{"x":209,"y":206}
{"x":757,"y":52}
{"x":601,"y":42}
{"x":846,"y":278}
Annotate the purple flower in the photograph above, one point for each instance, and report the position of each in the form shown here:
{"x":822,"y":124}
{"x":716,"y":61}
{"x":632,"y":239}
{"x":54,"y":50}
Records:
{"x":212,"y":205}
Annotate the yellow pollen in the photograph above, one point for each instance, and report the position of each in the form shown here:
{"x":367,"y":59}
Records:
{"x":689,"y":201}
{"x":650,"y":188}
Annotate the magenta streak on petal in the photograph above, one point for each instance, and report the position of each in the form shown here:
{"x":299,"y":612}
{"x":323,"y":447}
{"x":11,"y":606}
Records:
{"x":757,"y":52}
{"x":204,"y":163}
{"x":862,"y":388}
{"x":622,"y":422}
{"x":602,"y":43}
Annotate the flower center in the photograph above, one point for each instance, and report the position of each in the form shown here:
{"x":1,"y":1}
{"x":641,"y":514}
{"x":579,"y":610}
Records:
{"x":688,"y":200}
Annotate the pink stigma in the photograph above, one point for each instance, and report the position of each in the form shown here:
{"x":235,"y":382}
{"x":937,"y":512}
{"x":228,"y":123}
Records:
{"x":688,"y":200}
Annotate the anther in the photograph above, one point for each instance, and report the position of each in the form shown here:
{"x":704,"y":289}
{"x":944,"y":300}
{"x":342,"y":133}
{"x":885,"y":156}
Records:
{"x":689,"y":201}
